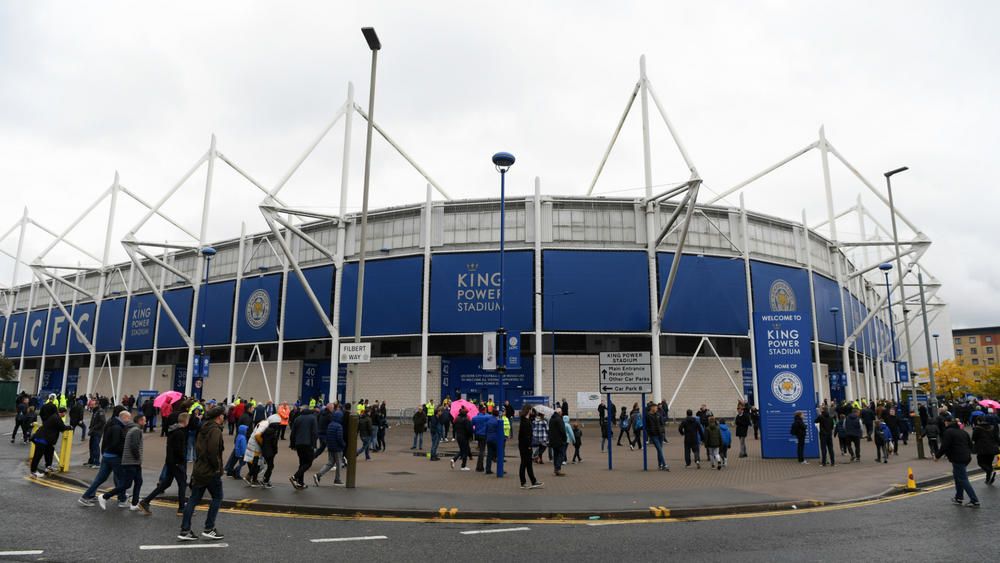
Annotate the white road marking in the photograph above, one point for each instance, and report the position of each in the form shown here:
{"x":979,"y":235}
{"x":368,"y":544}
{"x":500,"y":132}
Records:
{"x":184,"y":546}
{"x":358,"y":538}
{"x":25,"y":552}
{"x":495,"y":531}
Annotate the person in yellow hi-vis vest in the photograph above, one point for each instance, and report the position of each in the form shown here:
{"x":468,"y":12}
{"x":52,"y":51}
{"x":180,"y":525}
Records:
{"x":506,"y":425}
{"x":312,"y":404}
{"x":62,"y":401}
{"x":361,"y":407}
{"x":489,"y":406}
{"x":195,"y":405}
{"x":430,"y":408}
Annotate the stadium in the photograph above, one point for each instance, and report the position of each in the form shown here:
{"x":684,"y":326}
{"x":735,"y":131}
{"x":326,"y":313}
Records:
{"x":583,"y":275}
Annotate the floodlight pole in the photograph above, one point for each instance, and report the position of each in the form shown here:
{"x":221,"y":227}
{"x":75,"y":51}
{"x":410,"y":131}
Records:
{"x":375,"y":46}
{"x":932,"y":399}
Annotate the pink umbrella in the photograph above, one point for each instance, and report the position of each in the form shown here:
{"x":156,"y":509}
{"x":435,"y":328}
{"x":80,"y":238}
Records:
{"x":990,"y":404}
{"x":166,"y":398}
{"x":469,"y":407}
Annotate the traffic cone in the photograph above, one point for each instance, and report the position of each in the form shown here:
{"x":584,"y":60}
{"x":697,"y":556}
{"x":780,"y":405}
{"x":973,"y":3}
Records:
{"x":911,"y":484}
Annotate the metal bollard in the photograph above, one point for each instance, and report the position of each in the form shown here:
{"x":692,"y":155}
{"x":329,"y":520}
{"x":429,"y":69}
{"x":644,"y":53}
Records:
{"x":352,"y":449}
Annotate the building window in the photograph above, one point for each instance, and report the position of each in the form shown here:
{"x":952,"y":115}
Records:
{"x":988,"y":338}
{"x":975,"y":361}
{"x":958,"y":352}
{"x":989,"y":349}
{"x":973,"y":351}
{"x":990,"y":361}
{"x":972,"y":340}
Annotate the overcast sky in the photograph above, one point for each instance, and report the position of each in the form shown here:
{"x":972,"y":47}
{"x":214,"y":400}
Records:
{"x":91,"y":88}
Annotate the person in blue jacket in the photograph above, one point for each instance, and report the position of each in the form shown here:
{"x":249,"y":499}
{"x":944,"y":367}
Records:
{"x":492,"y":429}
{"x":727,"y":440}
{"x":335,"y":446}
{"x":239,"y":449}
{"x":479,"y":424}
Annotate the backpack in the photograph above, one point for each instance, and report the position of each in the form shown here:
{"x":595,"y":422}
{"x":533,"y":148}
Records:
{"x":639,"y":423}
{"x":623,"y":424}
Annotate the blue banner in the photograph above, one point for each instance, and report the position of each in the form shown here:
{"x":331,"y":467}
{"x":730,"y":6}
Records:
{"x":260,"y":299}
{"x":52,"y":381}
{"x":83,"y":316}
{"x":466,"y":374}
{"x":109,"y":331}
{"x":316,"y":381}
{"x":180,"y":376}
{"x":141,"y":321}
{"x":783,"y":333}
{"x":513,"y":354}
{"x":465,"y":292}
{"x":57,"y":333}
{"x":217,"y":313}
{"x":392,"y":299}
{"x":708,"y":297}
{"x":748,"y":380}
{"x":34,"y":342}
{"x":304,"y":323}
{"x":904,"y":372}
{"x":15,"y":334}
{"x":179,"y":301}
{"x":596,"y":291}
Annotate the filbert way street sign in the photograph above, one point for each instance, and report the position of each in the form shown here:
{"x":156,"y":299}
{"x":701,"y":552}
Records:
{"x":625,"y":372}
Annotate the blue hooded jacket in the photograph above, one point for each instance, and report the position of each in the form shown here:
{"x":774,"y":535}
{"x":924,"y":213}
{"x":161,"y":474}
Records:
{"x":335,"y":433}
{"x":491,"y":429}
{"x":480,"y":424}
{"x":240,"y":447}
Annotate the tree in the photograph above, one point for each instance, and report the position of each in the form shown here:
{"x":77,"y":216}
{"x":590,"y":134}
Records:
{"x":952,"y":380}
{"x":6,"y":368}
{"x":989,"y":386}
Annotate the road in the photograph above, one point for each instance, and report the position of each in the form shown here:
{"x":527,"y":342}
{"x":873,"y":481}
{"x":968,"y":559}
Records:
{"x":925,"y":526}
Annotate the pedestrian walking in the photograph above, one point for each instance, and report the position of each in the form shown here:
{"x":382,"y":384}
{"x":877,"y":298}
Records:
{"x":45,"y":439}
{"x":539,"y":435}
{"x":826,"y":429}
{"x":883,"y":437}
{"x":655,"y":433}
{"x":76,"y":413}
{"x":303,"y":435}
{"x":96,"y":431}
{"x":624,"y":427}
{"x":130,"y":473}
{"x":727,"y":441}
{"x":206,"y":476}
{"x":323,"y":419}
{"x":365,"y":433}
{"x":174,"y":466}
{"x":713,"y":441}
{"x":852,"y":428}
{"x":419,"y":428}
{"x":577,"y":442}
{"x":335,"y":446}
{"x":269,"y":447}
{"x":20,"y":412}
{"x":693,"y":434}
{"x":743,"y":424}
{"x":525,"y":442}
{"x":933,"y":434}
{"x":755,"y":420}
{"x":557,"y":441}
{"x":493,"y":430}
{"x":957,"y":446}
{"x":799,"y":431}
{"x":437,"y":431}
{"x":463,"y":433}
{"x":479,"y":423}
{"x":985,"y":442}
{"x":112,"y":446}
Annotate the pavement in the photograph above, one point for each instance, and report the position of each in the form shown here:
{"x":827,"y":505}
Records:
{"x":399,"y":483}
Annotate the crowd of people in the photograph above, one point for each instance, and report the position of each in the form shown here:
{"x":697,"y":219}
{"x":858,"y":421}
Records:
{"x":195,"y":434}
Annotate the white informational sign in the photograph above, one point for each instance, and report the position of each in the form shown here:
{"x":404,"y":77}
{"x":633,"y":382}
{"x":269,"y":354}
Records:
{"x":355,"y":352}
{"x":489,"y":350}
{"x":625,"y":372}
{"x":587,"y":400}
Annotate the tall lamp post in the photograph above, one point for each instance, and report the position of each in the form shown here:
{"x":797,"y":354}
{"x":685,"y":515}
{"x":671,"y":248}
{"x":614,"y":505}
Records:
{"x":375,"y":45}
{"x":937,"y":350}
{"x":208,"y":252}
{"x":886,"y":268}
{"x":836,"y":339}
{"x":553,"y":309}
{"x":503,"y":161}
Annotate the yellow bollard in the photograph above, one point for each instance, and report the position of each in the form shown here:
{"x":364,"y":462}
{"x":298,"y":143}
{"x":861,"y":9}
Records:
{"x":31,"y":440}
{"x":911,"y":483}
{"x":65,"y":450}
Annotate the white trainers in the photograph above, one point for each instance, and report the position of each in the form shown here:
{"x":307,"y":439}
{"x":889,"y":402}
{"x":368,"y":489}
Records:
{"x":102,"y":502}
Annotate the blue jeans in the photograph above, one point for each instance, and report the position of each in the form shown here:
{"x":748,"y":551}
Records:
{"x":109,"y":466}
{"x":214,"y":488}
{"x":130,"y":475}
{"x":418,"y":438}
{"x":657,"y":442}
{"x":435,"y":440}
{"x":95,"y":450}
{"x":962,"y":483}
{"x":366,"y":444}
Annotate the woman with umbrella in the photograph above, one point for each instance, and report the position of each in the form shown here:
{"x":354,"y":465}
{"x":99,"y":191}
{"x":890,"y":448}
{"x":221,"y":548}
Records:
{"x":463,"y":433}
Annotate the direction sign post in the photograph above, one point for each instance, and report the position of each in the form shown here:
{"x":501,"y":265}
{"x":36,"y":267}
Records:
{"x":626,"y":372}
{"x":355,"y":352}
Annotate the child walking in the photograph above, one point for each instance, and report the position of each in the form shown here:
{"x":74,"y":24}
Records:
{"x":577,"y":441}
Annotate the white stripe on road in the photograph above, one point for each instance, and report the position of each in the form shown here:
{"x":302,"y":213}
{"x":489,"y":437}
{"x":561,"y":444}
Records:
{"x":184,"y":546}
{"x":495,"y":531}
{"x":359,"y":538}
{"x":26,"y":552}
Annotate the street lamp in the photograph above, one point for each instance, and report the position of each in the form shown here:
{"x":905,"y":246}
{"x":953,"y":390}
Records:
{"x":836,"y":337}
{"x":503,"y":161}
{"x":561,"y":293}
{"x":937,"y":349}
{"x":886,"y":268}
{"x":375,"y":45}
{"x":208,"y":252}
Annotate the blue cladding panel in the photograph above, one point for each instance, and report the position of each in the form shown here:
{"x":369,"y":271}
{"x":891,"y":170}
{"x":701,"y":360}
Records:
{"x":709,"y":295}
{"x":15,"y":335}
{"x":83,"y":315}
{"x":609,"y":291}
{"x":392,"y":299}
{"x":217,"y":312}
{"x":57,"y":333}
{"x":34,"y":343}
{"x":301,"y":320}
{"x":141,"y":321}
{"x":260,"y":299}
{"x":465,"y":292}
{"x":180,"y":303}
{"x":109,"y":330}
{"x":827,"y":297}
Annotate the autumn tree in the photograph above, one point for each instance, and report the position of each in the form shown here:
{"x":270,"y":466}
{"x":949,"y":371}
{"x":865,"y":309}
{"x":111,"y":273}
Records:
{"x":952,"y":379}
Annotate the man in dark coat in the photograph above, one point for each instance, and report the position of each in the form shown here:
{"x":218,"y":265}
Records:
{"x":957,"y":445}
{"x":557,"y":441}
{"x":174,"y":465}
{"x":743,"y":424}
{"x":304,"y":433}
{"x":45,"y":439}
{"x":463,"y":433}
{"x":825,"y":423}
{"x":693,"y":433}
{"x":76,"y":413}
{"x":206,"y":475}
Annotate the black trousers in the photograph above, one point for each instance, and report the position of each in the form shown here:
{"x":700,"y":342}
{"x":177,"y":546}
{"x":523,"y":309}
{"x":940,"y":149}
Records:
{"x":856,"y":442}
{"x":41,"y":450}
{"x":800,"y":450}
{"x":825,"y":447}
{"x":305,"y":461}
{"x":985,"y":462}
{"x":526,"y":466}
{"x":174,"y":472}
{"x":481,"y":445}
{"x":269,"y":470}
{"x":463,"y":451}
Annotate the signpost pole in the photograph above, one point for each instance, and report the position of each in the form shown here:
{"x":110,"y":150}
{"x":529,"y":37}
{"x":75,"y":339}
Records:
{"x":611,"y":431}
{"x":642,"y":413}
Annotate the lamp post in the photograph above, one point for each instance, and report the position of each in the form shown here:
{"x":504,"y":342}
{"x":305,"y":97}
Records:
{"x":375,"y":45}
{"x":886,"y":268}
{"x":937,"y":351}
{"x":561,"y":293}
{"x":836,"y":338}
{"x":503,"y":161}
{"x":208,"y":252}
